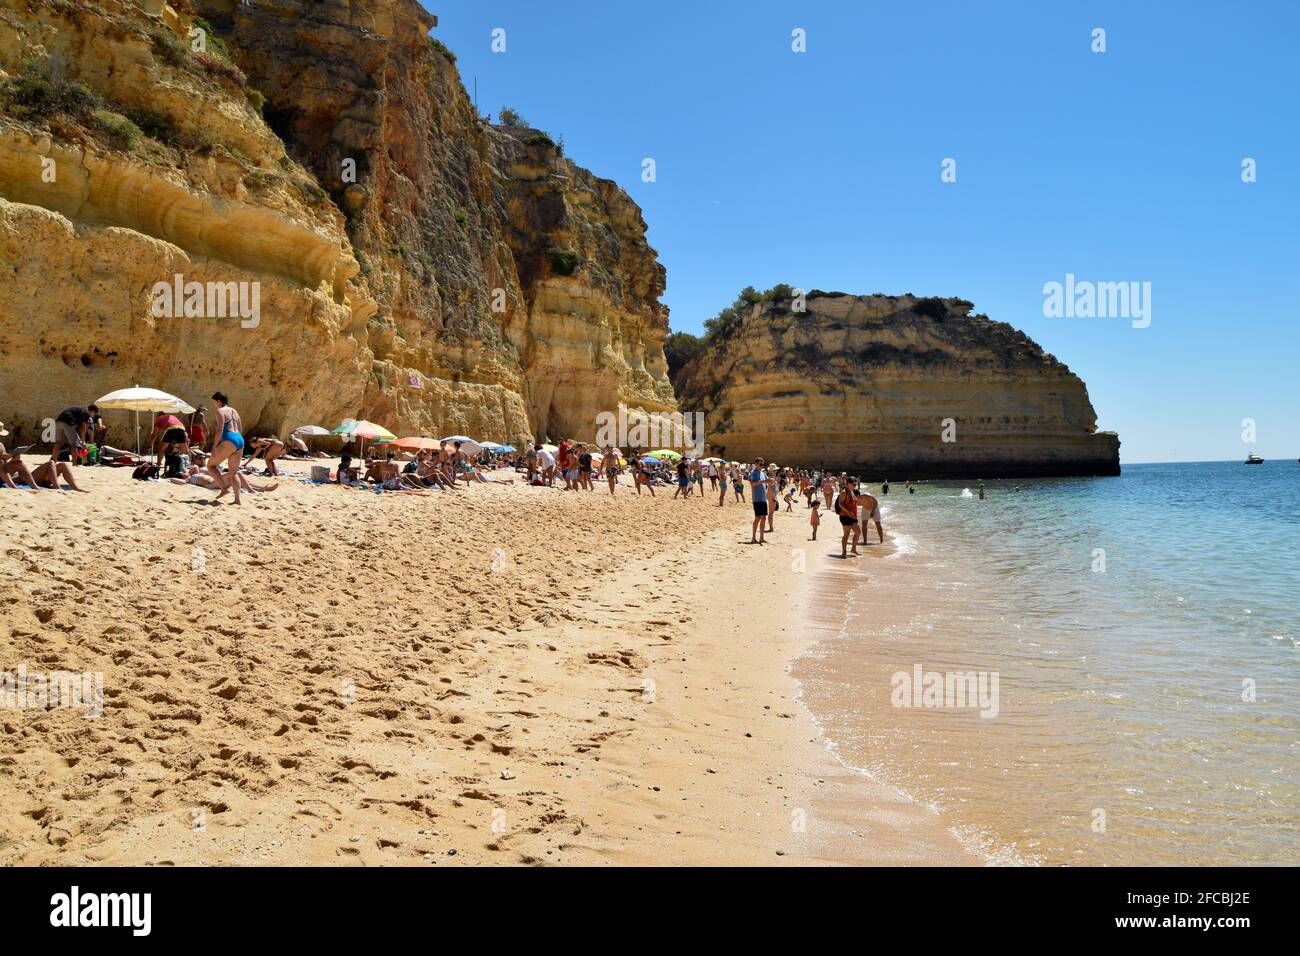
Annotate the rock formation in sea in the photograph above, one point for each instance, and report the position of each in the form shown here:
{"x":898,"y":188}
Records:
{"x":415,"y":264}
{"x":890,"y":386}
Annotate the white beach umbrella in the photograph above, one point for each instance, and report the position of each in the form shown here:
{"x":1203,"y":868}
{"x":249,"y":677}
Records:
{"x":468,"y":445}
{"x":310,"y":430}
{"x":139,"y":400}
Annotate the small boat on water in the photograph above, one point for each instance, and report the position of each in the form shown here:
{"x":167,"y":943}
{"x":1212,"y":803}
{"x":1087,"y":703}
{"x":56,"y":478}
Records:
{"x":1254,"y":460}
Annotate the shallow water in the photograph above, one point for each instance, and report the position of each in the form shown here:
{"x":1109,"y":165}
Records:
{"x":1143,"y":633}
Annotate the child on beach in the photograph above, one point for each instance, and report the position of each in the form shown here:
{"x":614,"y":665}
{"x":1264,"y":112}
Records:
{"x":814,"y":517}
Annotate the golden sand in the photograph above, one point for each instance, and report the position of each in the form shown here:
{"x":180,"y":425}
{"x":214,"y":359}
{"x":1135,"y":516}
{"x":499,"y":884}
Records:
{"x":503,"y":674}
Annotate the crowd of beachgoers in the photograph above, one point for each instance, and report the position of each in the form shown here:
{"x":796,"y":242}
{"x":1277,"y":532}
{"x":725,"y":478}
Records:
{"x":215,"y":455}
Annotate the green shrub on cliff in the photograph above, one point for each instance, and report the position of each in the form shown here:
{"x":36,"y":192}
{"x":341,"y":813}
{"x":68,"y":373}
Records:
{"x":125,"y":133}
{"x":509,"y":117}
{"x":680,"y":348}
{"x":439,"y":47}
{"x":564,"y":262}
{"x":931,"y":307}
{"x":43,"y":88}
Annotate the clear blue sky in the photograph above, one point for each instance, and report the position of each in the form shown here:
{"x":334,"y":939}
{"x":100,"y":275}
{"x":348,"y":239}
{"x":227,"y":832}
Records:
{"x":822,"y":169}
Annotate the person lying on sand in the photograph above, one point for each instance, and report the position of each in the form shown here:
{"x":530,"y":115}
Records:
{"x":47,"y":475}
{"x":200,"y":479}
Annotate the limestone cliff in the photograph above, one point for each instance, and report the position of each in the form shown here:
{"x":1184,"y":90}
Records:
{"x":892,"y":386}
{"x":417,"y":266}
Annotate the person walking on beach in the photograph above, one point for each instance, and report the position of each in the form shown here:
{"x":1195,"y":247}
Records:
{"x":643,"y":478}
{"x":228,"y":446}
{"x":683,"y":480}
{"x":738,"y":482}
{"x":758,"y":495}
{"x":846,"y":506}
{"x":869,"y":510}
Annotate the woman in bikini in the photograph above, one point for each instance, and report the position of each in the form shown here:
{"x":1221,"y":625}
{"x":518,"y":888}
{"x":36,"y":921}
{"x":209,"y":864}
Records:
{"x":228,"y":445}
{"x":269,"y":449}
{"x":846,"y":506}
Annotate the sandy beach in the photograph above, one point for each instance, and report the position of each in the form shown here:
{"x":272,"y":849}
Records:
{"x":503,"y":674}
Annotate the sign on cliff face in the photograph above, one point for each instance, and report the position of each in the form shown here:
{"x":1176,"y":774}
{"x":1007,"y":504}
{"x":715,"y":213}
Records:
{"x":1083,"y":299}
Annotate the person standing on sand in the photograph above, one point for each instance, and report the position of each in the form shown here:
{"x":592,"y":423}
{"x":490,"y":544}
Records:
{"x":828,"y":488}
{"x":773,"y":497}
{"x":562,"y":463}
{"x":584,"y":468}
{"x":758,"y":494}
{"x":228,"y":446}
{"x":869,"y":510}
{"x":724,"y":479}
{"x":683,"y":481}
{"x":814,"y":517}
{"x":846,"y":506}
{"x":611,"y":467}
{"x":738,"y":482}
{"x":97,"y":431}
{"x":199,"y":426}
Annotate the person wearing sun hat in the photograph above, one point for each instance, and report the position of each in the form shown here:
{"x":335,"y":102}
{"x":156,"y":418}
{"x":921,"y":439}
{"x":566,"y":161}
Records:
{"x":11,"y":465}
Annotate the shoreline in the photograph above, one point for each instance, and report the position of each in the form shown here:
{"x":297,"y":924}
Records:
{"x":787,"y":775}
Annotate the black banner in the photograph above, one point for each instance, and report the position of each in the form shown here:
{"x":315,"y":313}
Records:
{"x":336,"y":906}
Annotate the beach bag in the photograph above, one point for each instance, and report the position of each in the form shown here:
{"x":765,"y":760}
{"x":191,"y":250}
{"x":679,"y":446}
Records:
{"x":145,"y":472}
{"x":320,"y":473}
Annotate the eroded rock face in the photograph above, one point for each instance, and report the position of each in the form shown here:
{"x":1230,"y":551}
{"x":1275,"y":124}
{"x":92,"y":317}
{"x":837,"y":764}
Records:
{"x":873,"y":385}
{"x":399,"y":241}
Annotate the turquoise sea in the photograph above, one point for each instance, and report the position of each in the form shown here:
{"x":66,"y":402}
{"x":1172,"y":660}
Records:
{"x":1145,"y":631}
